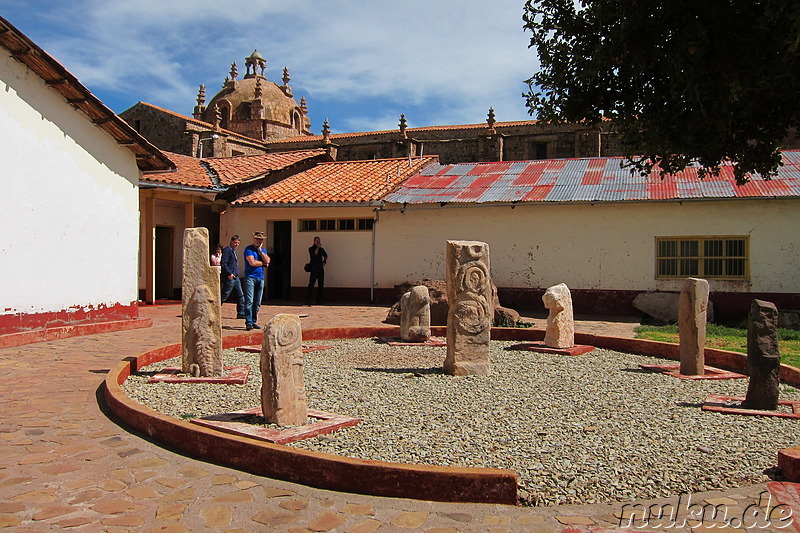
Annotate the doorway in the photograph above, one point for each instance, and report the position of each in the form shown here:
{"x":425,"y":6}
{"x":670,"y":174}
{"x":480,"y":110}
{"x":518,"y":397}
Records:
{"x":164,"y":262}
{"x":279,"y":274}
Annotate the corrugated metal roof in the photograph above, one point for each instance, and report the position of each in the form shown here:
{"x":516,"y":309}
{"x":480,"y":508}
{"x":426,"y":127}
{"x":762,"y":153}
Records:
{"x":599,"y":179}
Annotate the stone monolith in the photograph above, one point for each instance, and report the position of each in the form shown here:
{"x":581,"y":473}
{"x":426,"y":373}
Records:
{"x":201,"y":339}
{"x":415,"y":315}
{"x":692,"y":318}
{"x":283,"y":390}
{"x":469,"y":318}
{"x":763,"y":357}
{"x":560,"y":332}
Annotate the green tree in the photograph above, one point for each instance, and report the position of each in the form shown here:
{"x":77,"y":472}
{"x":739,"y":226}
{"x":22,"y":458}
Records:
{"x":683,"y":81}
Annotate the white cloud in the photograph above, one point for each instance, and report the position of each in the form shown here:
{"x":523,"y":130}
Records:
{"x":461,"y":55}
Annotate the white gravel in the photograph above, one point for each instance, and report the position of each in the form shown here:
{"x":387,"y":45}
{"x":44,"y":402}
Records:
{"x":587,"y":429}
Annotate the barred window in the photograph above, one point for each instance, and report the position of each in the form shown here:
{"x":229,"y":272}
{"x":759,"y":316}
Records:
{"x":704,"y":257}
{"x":335,"y":224}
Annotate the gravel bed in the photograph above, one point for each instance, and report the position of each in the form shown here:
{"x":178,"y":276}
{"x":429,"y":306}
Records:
{"x":586,"y":429}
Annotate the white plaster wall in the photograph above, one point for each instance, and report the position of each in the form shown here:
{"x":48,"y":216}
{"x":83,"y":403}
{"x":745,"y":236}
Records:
{"x":601,"y":246}
{"x":70,"y":215}
{"x":349,"y":252}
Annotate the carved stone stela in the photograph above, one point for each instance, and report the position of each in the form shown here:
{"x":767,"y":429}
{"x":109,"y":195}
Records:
{"x":560,"y":332}
{"x":415,"y":315}
{"x":283,"y":391}
{"x":692,"y":318}
{"x":201,"y":338}
{"x":469,"y":319}
{"x":763,"y":357}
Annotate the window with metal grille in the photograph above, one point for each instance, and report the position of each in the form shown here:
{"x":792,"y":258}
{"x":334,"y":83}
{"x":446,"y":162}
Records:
{"x":335,"y":224}
{"x":703,"y":257}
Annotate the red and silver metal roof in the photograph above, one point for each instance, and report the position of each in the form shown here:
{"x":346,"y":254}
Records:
{"x":599,"y":179}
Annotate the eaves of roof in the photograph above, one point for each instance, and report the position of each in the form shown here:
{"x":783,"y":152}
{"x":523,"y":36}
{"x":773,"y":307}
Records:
{"x":148,"y":157}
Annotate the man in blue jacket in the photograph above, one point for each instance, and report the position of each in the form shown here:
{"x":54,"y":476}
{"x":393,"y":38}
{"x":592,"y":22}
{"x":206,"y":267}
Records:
{"x":229,"y":276}
{"x":255,"y":266}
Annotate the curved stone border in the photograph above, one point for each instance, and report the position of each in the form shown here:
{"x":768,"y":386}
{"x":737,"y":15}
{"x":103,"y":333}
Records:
{"x":377,"y":478}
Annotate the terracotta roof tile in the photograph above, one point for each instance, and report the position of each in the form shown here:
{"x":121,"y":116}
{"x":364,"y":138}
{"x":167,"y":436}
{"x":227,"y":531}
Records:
{"x":190,"y":173}
{"x":232,"y":170}
{"x":339,"y":182}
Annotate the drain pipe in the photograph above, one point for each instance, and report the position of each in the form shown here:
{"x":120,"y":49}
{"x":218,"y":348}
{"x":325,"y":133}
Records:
{"x":377,"y":212}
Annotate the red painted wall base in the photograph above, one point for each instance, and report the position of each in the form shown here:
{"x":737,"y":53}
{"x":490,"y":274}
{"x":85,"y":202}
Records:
{"x":26,"y":328}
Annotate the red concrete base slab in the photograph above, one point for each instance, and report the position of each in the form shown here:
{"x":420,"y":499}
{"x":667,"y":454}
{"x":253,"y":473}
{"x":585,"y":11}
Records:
{"x":710,"y":372}
{"x":256,"y":348}
{"x":787,"y":495}
{"x":397,"y":341}
{"x":789,"y":463}
{"x":236,"y":375}
{"x":540,"y":347}
{"x":64,"y":332}
{"x":236,"y":424}
{"x":726,"y":404}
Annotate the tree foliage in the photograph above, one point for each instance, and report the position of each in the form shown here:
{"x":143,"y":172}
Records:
{"x":683,"y":81}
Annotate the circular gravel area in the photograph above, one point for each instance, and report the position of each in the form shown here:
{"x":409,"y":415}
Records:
{"x":586,"y":429}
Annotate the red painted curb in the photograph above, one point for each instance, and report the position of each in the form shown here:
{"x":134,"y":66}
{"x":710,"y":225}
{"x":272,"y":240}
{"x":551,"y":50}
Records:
{"x":63,"y":332}
{"x":378,"y":478}
{"x":437,"y":483}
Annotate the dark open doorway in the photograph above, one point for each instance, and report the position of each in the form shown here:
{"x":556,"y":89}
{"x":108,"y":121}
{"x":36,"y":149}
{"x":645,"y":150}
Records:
{"x":279,"y":274}
{"x":164,"y":262}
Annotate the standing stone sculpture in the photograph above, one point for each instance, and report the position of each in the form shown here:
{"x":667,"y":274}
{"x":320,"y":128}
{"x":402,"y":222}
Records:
{"x":692,"y":318}
{"x":763,"y":357}
{"x":201,"y":339}
{"x":283,"y":391}
{"x":415,"y":315}
{"x":469,"y":319}
{"x":560,"y":332}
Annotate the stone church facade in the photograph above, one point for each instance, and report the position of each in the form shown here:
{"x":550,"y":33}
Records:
{"x":254,"y":115}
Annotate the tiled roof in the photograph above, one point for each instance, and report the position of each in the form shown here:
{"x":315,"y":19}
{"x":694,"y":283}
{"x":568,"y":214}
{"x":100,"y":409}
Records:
{"x":190,"y":173}
{"x":340,"y":182}
{"x":334,"y":136}
{"x":232,"y":170}
{"x":600,"y":179}
{"x":148,"y":157}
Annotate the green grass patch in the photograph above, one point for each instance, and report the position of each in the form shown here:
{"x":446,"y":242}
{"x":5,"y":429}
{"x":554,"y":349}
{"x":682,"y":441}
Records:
{"x":728,"y":338}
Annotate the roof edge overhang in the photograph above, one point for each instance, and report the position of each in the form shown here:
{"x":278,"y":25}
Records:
{"x":371,"y":203}
{"x":398,"y":206}
{"x":148,"y":157}
{"x":177,"y":187}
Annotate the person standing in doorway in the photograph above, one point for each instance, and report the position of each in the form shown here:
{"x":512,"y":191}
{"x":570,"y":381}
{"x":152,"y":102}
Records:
{"x":229,"y":275}
{"x":317,"y":261}
{"x":256,"y":263}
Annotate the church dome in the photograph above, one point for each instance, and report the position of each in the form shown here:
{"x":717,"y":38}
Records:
{"x":257,"y":107}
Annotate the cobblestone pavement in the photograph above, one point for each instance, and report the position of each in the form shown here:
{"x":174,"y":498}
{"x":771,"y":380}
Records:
{"x":65,"y":465}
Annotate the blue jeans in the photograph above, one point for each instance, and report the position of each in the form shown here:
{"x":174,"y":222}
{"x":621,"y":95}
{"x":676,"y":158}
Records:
{"x":233,"y":285}
{"x":253,"y":290}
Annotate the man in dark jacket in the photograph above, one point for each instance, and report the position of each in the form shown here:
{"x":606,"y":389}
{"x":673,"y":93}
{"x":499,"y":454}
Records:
{"x":317,"y":260}
{"x":229,"y":276}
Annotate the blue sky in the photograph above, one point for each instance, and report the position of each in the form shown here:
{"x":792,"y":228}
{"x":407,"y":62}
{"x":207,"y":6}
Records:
{"x":358,"y":63}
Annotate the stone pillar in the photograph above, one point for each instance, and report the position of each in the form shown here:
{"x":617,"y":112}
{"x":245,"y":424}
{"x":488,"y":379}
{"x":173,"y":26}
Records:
{"x":692,"y":318}
{"x":283,"y":390}
{"x":201,"y":338}
{"x":469,"y":318}
{"x":763,"y":357}
{"x":560,"y":332}
{"x":415,"y":315}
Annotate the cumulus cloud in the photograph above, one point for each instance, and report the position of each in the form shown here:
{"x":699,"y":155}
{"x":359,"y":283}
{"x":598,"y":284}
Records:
{"x":441,"y":62}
